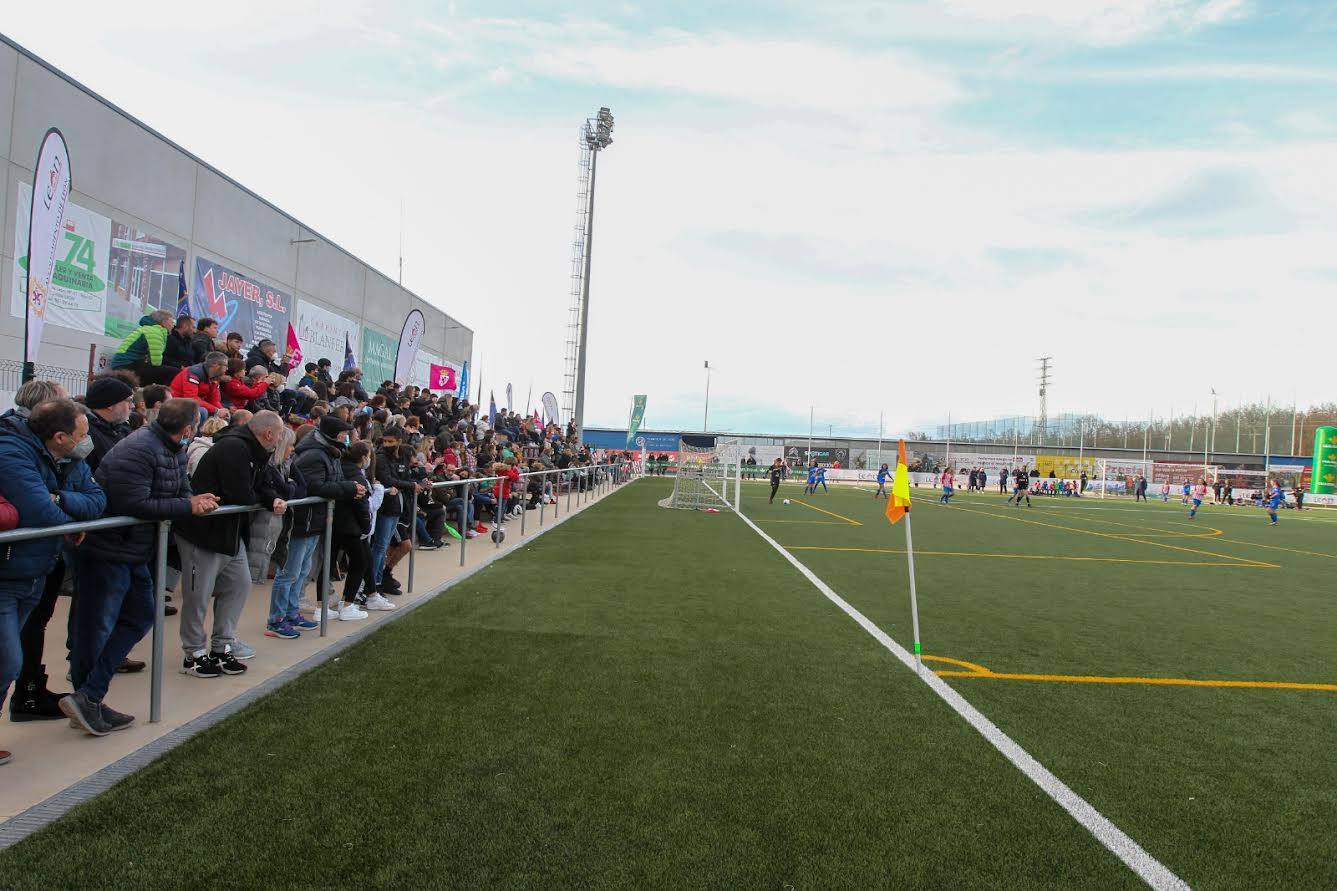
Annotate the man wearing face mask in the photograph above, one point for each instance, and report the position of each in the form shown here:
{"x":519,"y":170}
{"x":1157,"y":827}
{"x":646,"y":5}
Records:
{"x":49,"y":484}
{"x":317,"y":459}
{"x":213,"y":550}
{"x":108,"y":404}
{"x":143,"y":476}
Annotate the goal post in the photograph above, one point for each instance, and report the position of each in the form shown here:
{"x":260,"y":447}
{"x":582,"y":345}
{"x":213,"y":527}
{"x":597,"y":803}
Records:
{"x":707,"y":477}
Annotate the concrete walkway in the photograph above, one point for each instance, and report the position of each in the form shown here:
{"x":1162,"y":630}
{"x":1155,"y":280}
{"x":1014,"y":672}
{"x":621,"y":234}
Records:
{"x":51,"y":758}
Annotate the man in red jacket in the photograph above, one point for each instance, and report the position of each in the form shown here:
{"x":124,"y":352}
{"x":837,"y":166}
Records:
{"x":201,"y":383}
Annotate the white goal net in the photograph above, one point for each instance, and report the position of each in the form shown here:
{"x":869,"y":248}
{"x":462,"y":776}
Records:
{"x":705,"y":477}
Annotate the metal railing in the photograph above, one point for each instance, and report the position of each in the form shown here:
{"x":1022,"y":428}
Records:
{"x":623,"y":473}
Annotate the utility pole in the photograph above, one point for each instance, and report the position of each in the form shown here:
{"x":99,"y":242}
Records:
{"x":705,"y":422}
{"x":1046,"y":375}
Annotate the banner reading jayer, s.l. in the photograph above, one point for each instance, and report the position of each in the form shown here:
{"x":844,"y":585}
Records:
{"x":240,"y":303}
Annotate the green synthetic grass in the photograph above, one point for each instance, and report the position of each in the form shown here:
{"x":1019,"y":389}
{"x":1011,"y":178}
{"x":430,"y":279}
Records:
{"x":1228,"y":787}
{"x":642,"y":697}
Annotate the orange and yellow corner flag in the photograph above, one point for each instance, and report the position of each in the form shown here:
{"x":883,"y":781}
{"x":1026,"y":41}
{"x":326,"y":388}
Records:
{"x":898,"y":505}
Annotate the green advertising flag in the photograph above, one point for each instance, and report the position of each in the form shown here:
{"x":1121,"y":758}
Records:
{"x":378,"y":357}
{"x":637,"y":415}
{"x":1323,"y":480}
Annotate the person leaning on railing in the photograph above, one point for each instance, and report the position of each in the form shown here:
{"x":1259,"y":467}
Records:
{"x":143,"y":476}
{"x":48,"y":483}
{"x":213,"y":549}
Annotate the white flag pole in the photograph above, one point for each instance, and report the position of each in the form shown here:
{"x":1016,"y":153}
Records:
{"x":914,"y":599}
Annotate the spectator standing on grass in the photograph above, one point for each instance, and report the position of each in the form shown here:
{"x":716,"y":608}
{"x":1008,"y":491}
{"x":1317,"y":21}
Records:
{"x":213,"y":550}
{"x":143,"y":476}
{"x":48,"y":484}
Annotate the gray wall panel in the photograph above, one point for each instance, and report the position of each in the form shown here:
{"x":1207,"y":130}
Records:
{"x":9,"y":60}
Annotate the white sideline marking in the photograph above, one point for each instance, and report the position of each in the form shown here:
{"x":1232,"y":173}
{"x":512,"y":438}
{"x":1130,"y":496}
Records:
{"x":1148,"y":868}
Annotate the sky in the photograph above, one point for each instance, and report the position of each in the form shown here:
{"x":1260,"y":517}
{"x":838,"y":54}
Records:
{"x":882,"y":211}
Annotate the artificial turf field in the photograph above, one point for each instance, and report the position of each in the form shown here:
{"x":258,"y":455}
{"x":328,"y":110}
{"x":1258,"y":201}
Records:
{"x":654,"y":697}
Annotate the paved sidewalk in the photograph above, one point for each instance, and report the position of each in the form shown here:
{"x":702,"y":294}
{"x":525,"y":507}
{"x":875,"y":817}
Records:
{"x":49,"y":756}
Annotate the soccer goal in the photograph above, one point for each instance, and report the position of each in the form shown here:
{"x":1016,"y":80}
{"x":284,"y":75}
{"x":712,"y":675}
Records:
{"x":706,"y":476}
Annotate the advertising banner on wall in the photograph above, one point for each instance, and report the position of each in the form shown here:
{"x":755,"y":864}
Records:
{"x":240,"y":303}
{"x":321,"y":335}
{"x":77,"y":296}
{"x":1067,"y":467}
{"x":142,"y":276}
{"x":377,"y":358}
{"x":797,"y":452}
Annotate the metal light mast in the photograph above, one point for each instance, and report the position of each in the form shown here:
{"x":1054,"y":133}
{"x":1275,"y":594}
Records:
{"x":596,"y":134}
{"x":1042,"y":422}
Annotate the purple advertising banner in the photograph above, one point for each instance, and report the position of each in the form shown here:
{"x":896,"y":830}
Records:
{"x":240,"y":303}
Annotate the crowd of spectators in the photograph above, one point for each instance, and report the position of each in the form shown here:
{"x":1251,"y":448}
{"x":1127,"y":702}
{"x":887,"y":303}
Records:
{"x":185,"y":423}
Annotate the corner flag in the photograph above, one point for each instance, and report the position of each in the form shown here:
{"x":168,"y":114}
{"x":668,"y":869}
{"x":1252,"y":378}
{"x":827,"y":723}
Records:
{"x":898,"y":505}
{"x":898,"y":508}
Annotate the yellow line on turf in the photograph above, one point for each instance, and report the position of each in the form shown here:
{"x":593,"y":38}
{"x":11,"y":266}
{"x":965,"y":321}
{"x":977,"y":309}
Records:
{"x":828,"y":512}
{"x":1116,"y":537}
{"x":979,"y":671}
{"x":1037,"y":557}
{"x":1278,"y":548}
{"x":807,"y":522}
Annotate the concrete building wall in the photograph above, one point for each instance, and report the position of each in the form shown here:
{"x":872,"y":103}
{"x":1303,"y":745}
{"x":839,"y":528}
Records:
{"x":125,"y":171}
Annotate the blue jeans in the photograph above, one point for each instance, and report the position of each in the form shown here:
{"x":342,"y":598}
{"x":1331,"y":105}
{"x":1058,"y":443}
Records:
{"x":113,"y":612}
{"x":380,"y":542}
{"x":456,"y":506}
{"x":291,"y":578}
{"x":18,"y":598}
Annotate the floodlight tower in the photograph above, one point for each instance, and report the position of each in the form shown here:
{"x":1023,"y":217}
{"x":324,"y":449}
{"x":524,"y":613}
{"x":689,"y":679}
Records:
{"x":596,"y":134}
{"x":1042,"y":421}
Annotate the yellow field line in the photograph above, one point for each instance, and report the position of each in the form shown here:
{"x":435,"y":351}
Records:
{"x":1235,"y":565}
{"x":1278,"y":548}
{"x":1208,"y":531}
{"x":829,"y":513}
{"x":806,"y":522}
{"x":1118,"y":537}
{"x":979,"y":671}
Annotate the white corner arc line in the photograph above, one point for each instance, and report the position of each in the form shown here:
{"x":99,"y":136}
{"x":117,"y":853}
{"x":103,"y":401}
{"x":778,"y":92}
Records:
{"x":1134,"y":856}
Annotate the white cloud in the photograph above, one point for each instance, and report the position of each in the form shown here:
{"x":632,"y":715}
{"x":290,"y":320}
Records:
{"x":778,"y":73}
{"x":1102,"y":21}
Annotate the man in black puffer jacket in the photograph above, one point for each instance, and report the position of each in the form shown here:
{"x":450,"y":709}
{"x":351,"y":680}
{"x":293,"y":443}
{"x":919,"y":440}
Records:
{"x":317,"y":459}
{"x":144,"y":475}
{"x":213,"y":551}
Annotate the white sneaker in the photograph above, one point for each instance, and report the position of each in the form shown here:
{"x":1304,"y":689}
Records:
{"x":469,"y":533}
{"x":350,"y":613}
{"x":378,"y":602}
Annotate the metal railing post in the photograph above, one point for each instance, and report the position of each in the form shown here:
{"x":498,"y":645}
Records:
{"x":326,"y":576}
{"x":543,"y":496}
{"x":464,"y":522}
{"x":413,"y":538}
{"x":524,"y":509}
{"x":159,"y":616}
{"x":569,"y":486}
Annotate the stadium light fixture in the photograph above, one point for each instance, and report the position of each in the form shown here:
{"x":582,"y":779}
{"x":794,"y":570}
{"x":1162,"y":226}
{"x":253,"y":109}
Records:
{"x":597,"y":135}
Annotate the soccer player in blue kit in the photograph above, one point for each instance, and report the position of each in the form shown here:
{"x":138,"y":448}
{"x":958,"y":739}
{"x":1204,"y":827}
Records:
{"x":1275,"y":498}
{"x":883,"y":474}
